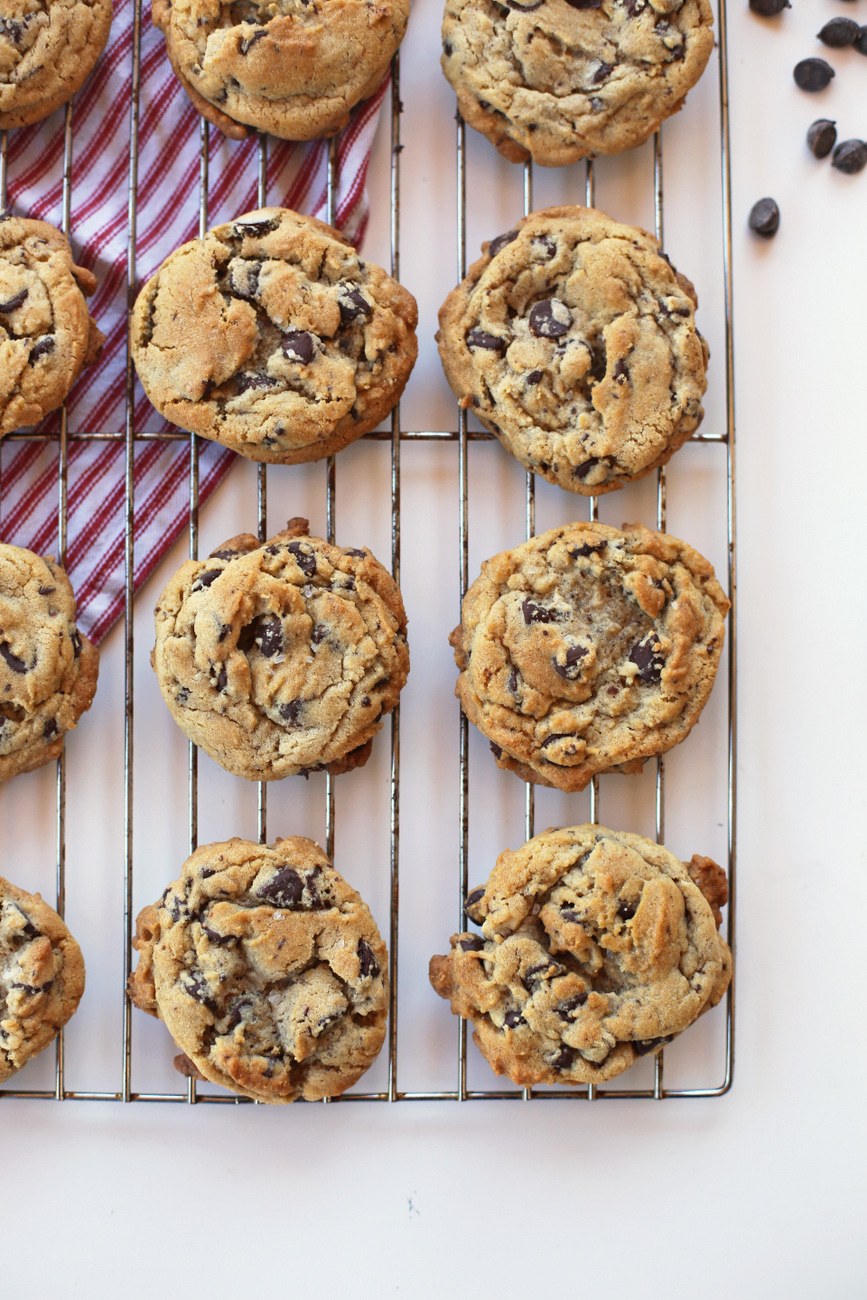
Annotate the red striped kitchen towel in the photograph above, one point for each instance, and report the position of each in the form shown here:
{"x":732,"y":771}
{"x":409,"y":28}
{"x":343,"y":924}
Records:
{"x":169,"y":139}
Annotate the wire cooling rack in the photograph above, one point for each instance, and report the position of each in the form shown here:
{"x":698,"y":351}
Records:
{"x":461,"y":436}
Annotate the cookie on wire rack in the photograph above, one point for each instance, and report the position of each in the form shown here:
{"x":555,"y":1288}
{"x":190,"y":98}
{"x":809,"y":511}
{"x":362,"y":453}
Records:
{"x":47,"y":50}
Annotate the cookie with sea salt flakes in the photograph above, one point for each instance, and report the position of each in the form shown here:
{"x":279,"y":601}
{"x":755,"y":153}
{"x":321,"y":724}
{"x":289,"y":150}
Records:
{"x":573,"y":339}
{"x":286,"y":67}
{"x":267,"y":969}
{"x":47,"y":51}
{"x":272,"y":336}
{"x":283,"y":658}
{"x":597,"y":948}
{"x":559,"y":80}
{"x":47,"y":335}
{"x":48,"y":669}
{"x":41,"y":976}
{"x":588,"y":649}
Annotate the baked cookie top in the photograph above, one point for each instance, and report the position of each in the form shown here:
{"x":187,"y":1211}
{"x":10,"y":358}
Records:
{"x":573,"y":339}
{"x":272,"y":336}
{"x":46,"y":333}
{"x":41,"y":976}
{"x":597,"y":947}
{"x":48,"y":669}
{"x":588,"y":649}
{"x":287,"y":67}
{"x":558,"y":80}
{"x":47,"y":49}
{"x":267,"y":969}
{"x":282,"y":658}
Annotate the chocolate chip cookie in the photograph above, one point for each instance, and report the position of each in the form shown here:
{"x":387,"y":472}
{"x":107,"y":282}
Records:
{"x":597,"y":947}
{"x":272,"y":336}
{"x":588,"y":649}
{"x":47,"y":335}
{"x":41,"y":976}
{"x":291,"y":68}
{"x":267,"y":970}
{"x":48,"y":670}
{"x":283,"y":658}
{"x":558,"y":80}
{"x":47,"y":50}
{"x":573,"y":339}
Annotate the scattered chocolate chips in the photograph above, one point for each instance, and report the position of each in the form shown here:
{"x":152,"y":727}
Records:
{"x":298,"y":345}
{"x":813,"y":74}
{"x":764,"y":218}
{"x":850,"y":156}
{"x":821,"y":137}
{"x":480,"y":339}
{"x":550,"y":319}
{"x":769,"y":8}
{"x":839,"y":32}
{"x":502,"y":240}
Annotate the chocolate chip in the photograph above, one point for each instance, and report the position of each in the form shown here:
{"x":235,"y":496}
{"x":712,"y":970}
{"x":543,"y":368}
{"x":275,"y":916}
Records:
{"x":352,"y":550}
{"x":475,"y":896}
{"x":534,"y":377}
{"x":570,"y":666}
{"x":284,"y":889}
{"x":547,"y":245}
{"x":264,"y":634}
{"x":621,"y":370}
{"x":448,"y":49}
{"x":764,"y":218}
{"x":626,"y":911}
{"x":581,"y":471}
{"x":30,"y":931}
{"x":47,"y":591}
{"x":244,"y":278}
{"x":569,"y":914}
{"x":223,"y":940}
{"x":587,"y":548}
{"x":12,"y":304}
{"x":585,"y":4}
{"x":768,"y":8}
{"x":839,"y":32}
{"x":222,"y":679}
{"x":565,"y":1009}
{"x":479,"y":339}
{"x":236,"y":1011}
{"x":861,"y":44}
{"x":205,"y":579}
{"x":246,"y":381}
{"x":512,"y":1019}
{"x":813,"y":74}
{"x":197,"y":987}
{"x":17,"y":665}
{"x":642,"y":1046}
{"x":305,"y":559}
{"x":41,"y":348}
{"x":526,"y":8}
{"x":182,"y":696}
{"x":821,"y":137}
{"x":247,"y":43}
{"x":850,"y":156}
{"x":291,"y":711}
{"x":545,"y":970}
{"x":513,"y":681}
{"x":502,"y":240}
{"x":76,"y":643}
{"x":352,"y":304}
{"x":253,"y":229}
{"x":550,"y":319}
{"x":298,"y":345}
{"x":49,"y":730}
{"x":367,"y":963}
{"x":647,"y":658}
{"x":318,"y":633}
{"x":605,"y":69}
{"x":471,"y":943}
{"x":564,"y":1058}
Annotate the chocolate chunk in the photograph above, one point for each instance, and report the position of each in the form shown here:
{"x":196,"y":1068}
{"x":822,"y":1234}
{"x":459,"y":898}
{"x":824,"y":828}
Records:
{"x":305,"y":559}
{"x":247,"y":42}
{"x":534,"y":613}
{"x":605,"y":69}
{"x":512,"y":1019}
{"x":471,"y":943}
{"x":566,"y":1009}
{"x":41,"y":348}
{"x":47,"y":591}
{"x":12,"y":304}
{"x":17,"y":665}
{"x":253,"y":229}
{"x":197,"y":987}
{"x":479,"y":339}
{"x":588,"y":548}
{"x":768,"y":8}
{"x":264,"y":634}
{"x":353,"y":550}
{"x":526,"y":8}
{"x":318,"y":633}
{"x":246,"y":381}
{"x":581,"y":471}
{"x":821,"y":137}
{"x":534,"y":377}
{"x":473,"y":897}
{"x":502,"y":240}
{"x":564,"y":1058}
{"x":861,"y":44}
{"x":626,"y":911}
{"x":205,"y":578}
{"x":236,"y":1011}
{"x":642,"y":1046}
{"x":546,"y":244}
{"x":813,"y":74}
{"x":839,"y":32}
{"x":49,"y":730}
{"x":850,"y":156}
{"x":621,"y":370}
{"x":550,"y":319}
{"x":291,"y":711}
{"x":367,"y":963}
{"x":545,"y":970}
{"x":647,"y":656}
{"x":765,"y":218}
{"x":352,"y":303}
{"x":298,"y":345}
{"x":585,"y":4}
{"x":284,"y":889}
{"x":570,"y":666}
{"x":222,"y":679}
{"x":244,"y":278}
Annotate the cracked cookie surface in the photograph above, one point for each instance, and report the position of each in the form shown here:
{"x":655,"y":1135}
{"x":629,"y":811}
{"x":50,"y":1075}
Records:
{"x":292,"y":68}
{"x":559,"y":80}
{"x":47,"y":335}
{"x":267,"y":969}
{"x":41,"y":976}
{"x":588,"y":649}
{"x":597,"y":947}
{"x":48,"y":670}
{"x":47,"y":50}
{"x":272,"y":336}
{"x":574,"y":341}
{"x":283,"y":658}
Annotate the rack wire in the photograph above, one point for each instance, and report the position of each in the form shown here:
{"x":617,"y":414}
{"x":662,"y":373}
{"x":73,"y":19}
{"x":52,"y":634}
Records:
{"x":396,"y":435}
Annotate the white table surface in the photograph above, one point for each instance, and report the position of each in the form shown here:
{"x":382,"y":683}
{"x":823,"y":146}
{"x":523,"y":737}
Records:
{"x":760,"y":1193}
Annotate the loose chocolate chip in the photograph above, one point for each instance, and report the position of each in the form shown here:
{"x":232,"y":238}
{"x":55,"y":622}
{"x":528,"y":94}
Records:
{"x":550,"y":319}
{"x":253,"y":229}
{"x":291,"y":712}
{"x":768,"y":8}
{"x":502,"y":240}
{"x":861,"y":44}
{"x":570,"y":667}
{"x":352,"y":304}
{"x":49,"y":730}
{"x":648,"y":658}
{"x":642,"y":1046}
{"x":367,"y":963}
{"x":764,"y":218}
{"x":850,"y":156}
{"x":564,"y":1058}
{"x":304,"y":558}
{"x":839,"y":32}
{"x":813,"y":74}
{"x":534,"y":613}
{"x":205,"y":579}
{"x":534,"y":377}
{"x":257,"y":36}
{"x":284,"y":889}
{"x":298,"y":345}
{"x":12,"y":304}
{"x":479,"y":339}
{"x":471,"y":943}
{"x":41,"y":348}
{"x":821,"y":137}
{"x":17,"y":665}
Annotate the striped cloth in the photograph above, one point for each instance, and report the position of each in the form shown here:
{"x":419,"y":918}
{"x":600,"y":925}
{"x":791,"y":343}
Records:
{"x":167,"y":215}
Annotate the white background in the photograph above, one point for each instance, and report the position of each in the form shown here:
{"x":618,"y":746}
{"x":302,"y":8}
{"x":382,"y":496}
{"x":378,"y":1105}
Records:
{"x":760,"y":1192}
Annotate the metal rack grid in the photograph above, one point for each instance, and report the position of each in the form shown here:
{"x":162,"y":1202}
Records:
{"x":397,"y":435}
